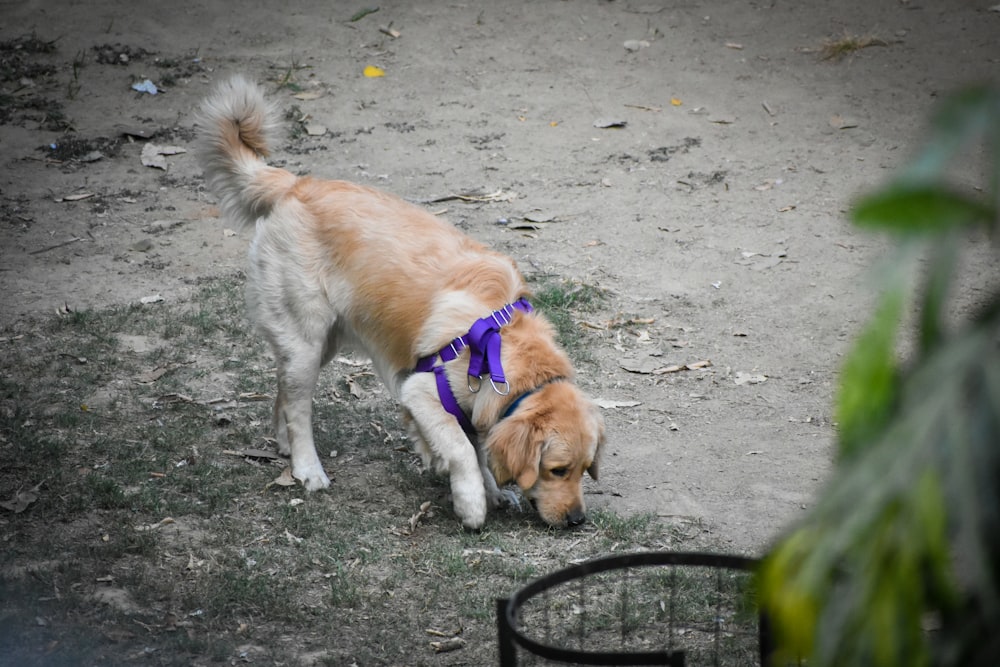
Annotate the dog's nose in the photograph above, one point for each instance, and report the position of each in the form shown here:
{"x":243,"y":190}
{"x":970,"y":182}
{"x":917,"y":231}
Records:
{"x":575,"y":518}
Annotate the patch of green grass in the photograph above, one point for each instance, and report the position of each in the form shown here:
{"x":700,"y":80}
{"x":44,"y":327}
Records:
{"x":562,"y":302}
{"x":618,"y":529}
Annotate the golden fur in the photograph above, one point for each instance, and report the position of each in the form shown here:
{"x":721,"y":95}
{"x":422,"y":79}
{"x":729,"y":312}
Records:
{"x":335,"y":264}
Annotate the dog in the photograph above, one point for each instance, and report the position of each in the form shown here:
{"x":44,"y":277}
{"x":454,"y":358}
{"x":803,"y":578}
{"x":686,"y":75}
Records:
{"x":487,"y":394}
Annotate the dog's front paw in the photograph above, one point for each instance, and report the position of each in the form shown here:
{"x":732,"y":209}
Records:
{"x":312,"y":477}
{"x":470,"y":505}
{"x":508,"y":498}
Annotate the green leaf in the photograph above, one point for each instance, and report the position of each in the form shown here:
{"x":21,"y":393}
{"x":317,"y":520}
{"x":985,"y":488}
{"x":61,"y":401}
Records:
{"x":919,"y":209}
{"x":868,"y":383}
{"x":940,"y":270}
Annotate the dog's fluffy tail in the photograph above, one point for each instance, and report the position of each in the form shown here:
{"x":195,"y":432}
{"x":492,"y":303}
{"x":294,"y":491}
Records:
{"x":234,"y":124}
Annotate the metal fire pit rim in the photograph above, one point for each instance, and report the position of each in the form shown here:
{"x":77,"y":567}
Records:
{"x":506,"y":607}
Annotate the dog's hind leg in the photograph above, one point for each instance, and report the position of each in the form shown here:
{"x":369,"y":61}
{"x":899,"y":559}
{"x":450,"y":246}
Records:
{"x":298,"y":369}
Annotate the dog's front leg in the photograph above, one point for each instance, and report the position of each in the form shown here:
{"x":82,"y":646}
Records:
{"x":495,"y":496}
{"x":448,"y":442}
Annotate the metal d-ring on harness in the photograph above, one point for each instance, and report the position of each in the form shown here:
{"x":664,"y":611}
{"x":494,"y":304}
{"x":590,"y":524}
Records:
{"x":483,"y":341}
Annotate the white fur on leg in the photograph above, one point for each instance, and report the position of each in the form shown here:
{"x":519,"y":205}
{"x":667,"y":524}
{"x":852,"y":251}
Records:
{"x":312,"y":476}
{"x":293,"y":415}
{"x":450,"y":448}
{"x":468,"y":497}
{"x":306,"y":466}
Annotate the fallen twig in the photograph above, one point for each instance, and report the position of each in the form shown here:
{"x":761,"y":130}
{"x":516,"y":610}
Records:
{"x":53,"y":247}
{"x":497,"y":196}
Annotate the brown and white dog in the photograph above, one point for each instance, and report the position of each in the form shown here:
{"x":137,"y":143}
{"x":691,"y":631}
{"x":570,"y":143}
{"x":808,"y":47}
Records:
{"x":334,"y":264}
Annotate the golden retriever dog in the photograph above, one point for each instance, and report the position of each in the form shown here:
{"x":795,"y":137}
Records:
{"x":487,"y":394}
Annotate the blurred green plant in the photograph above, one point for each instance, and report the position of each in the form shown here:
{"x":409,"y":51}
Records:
{"x":898,"y":563}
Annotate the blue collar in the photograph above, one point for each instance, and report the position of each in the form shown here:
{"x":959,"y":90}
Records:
{"x":517,"y":401}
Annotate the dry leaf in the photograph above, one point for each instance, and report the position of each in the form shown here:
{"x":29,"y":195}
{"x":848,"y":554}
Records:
{"x":372,"y":72}
{"x":749,"y":378}
{"x":422,"y":512}
{"x":137,"y":132}
{"x":609,"y":404}
{"x":152,"y":376}
{"x":155,"y":526}
{"x":643,"y":366}
{"x":284,"y":479}
{"x":76,"y":197}
{"x":433,"y":632}
{"x":643,"y":107}
{"x":354,"y":388}
{"x":153,"y":155}
{"x":261,"y":454}
{"x":254,"y":396}
{"x":174,"y":398}
{"x":20,"y":501}
{"x":447,"y":645}
{"x":605,"y":123}
{"x":306,"y":96}
{"x":539,"y":217}
{"x":839,"y":122}
{"x":498,"y":196}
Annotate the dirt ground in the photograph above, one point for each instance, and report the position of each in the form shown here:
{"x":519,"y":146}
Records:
{"x":695,"y":160}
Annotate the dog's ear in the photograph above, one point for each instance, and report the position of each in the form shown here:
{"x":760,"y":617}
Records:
{"x":599,"y":421}
{"x":514,"y":451}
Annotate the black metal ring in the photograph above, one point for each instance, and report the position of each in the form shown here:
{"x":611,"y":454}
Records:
{"x":507,"y":608}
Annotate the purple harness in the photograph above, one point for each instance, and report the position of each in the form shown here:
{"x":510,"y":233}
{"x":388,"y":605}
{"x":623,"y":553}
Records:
{"x":483,"y":341}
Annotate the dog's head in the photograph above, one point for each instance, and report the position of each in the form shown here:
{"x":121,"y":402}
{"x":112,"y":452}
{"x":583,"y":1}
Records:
{"x":545,"y":445}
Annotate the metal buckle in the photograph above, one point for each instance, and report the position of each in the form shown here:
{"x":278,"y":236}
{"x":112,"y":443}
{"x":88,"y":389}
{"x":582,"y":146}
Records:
{"x":505,"y":384}
{"x":479,"y":384}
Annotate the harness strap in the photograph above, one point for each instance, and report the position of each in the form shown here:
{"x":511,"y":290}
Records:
{"x":484,"y":342}
{"x":449,"y":402}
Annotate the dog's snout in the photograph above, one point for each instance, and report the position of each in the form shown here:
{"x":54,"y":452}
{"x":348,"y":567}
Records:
{"x":575,"y":518}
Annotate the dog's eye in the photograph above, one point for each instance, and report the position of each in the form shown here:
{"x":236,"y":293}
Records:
{"x":559,"y":472}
